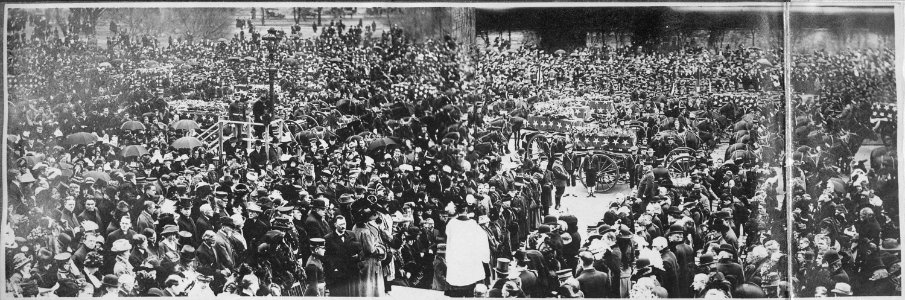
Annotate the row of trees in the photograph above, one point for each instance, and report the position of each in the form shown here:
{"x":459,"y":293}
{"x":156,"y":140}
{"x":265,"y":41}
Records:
{"x":207,"y":22}
{"x":645,"y":27}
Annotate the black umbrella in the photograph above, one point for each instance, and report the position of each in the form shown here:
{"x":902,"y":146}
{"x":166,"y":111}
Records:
{"x":132,"y":125}
{"x":81,"y":138}
{"x":133,"y":150}
{"x":187,"y":143}
{"x":97,"y":175}
{"x":185,"y":125}
{"x":380,"y":143}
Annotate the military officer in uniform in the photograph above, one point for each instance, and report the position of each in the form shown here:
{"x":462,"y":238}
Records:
{"x":314,"y":269}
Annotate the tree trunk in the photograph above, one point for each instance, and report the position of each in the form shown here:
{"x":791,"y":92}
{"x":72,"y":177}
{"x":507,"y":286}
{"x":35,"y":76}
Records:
{"x":60,"y":22}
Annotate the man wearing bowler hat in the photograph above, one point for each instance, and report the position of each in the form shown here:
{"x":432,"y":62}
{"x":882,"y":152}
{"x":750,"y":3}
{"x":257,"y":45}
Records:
{"x":726,"y":263}
{"x":684,"y":257}
{"x":316,"y":224}
{"x":110,"y":286}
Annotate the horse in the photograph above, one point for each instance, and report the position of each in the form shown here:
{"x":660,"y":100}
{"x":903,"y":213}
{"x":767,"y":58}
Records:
{"x":495,"y":138}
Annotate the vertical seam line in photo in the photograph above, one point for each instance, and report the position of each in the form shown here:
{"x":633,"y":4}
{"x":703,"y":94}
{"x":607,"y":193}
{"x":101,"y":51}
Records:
{"x":789,"y":110}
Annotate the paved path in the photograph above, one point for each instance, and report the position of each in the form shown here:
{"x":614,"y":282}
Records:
{"x":590,"y":210}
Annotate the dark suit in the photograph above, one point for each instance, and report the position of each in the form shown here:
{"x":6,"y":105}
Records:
{"x":223,"y":244}
{"x":144,"y":220}
{"x":119,"y":234}
{"x":647,"y":188}
{"x":203,"y":224}
{"x":253,"y":230}
{"x":593,"y":283}
{"x":339,"y":264}
{"x":257,"y":159}
{"x":214,"y":256}
{"x":685,"y":258}
{"x":530,"y":285}
{"x":79,"y":256}
{"x":731,"y":268}
{"x":94,"y":216}
{"x":670,"y":274}
{"x":186,"y":224}
{"x":316,"y":226}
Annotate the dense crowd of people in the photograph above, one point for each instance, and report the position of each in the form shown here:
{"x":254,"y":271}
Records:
{"x":396,"y":170}
{"x":846,"y":230}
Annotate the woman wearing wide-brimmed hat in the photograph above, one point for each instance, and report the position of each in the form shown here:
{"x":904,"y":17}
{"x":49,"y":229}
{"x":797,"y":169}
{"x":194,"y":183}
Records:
{"x":369,"y":282}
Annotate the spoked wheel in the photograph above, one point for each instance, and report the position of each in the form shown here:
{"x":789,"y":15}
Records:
{"x":679,"y":151}
{"x":607,"y":174}
{"x":538,"y":147}
{"x":681,"y":167}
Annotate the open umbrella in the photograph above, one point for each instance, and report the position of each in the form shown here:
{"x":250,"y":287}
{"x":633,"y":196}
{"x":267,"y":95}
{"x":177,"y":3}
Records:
{"x":81,"y":138}
{"x":380,"y":143}
{"x":134,"y":150}
{"x":105,"y":65}
{"x":452,"y":135}
{"x":31,"y":160}
{"x":838,"y":184}
{"x":336,"y":60}
{"x":97,"y":175}
{"x":222,"y":40}
{"x":560,"y":52}
{"x":764,"y":62}
{"x":307,"y":135}
{"x":185,"y":125}
{"x":188,"y":142}
{"x":132,"y":125}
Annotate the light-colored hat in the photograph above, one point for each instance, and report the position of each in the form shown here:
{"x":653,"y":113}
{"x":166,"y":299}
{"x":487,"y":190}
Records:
{"x":842,"y":288}
{"x":253,"y":207}
{"x":89,"y":225}
{"x":122,"y":245}
{"x":169,"y":229}
{"x":20,"y":260}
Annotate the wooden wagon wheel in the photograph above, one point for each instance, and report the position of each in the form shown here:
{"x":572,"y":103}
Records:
{"x":607,"y":174}
{"x":681,"y":166}
{"x":538,"y":147}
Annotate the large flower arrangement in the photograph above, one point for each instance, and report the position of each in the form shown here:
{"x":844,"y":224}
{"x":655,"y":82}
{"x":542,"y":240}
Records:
{"x":198,"y":106}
